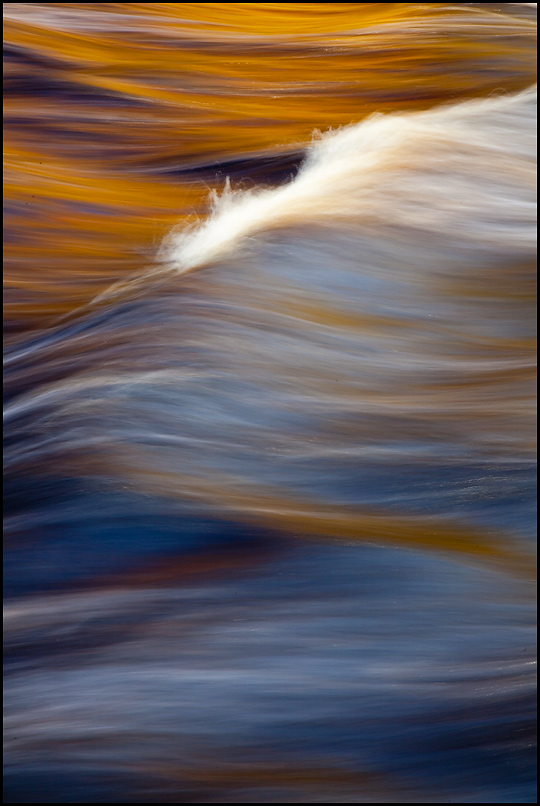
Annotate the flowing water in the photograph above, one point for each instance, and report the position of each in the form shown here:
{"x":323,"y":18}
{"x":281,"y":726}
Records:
{"x":269,"y":402}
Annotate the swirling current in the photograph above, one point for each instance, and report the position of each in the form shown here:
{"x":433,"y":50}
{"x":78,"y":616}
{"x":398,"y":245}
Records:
{"x":269,"y":402}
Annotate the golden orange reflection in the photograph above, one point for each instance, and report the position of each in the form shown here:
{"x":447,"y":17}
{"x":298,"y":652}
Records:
{"x":120,"y":118}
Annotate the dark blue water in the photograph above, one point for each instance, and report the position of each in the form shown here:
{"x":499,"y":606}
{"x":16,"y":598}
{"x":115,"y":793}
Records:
{"x":270,"y":498}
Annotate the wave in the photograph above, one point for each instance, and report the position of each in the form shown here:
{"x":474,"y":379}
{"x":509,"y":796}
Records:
{"x":270,"y":497}
{"x":116,"y":124}
{"x":367,"y":317}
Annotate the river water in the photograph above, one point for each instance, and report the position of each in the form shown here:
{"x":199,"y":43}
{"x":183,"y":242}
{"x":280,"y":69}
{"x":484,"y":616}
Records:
{"x":269,"y":402}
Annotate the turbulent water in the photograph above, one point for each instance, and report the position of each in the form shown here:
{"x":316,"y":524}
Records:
{"x":269,"y":402}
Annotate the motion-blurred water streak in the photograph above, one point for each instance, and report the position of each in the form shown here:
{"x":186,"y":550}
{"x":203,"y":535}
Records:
{"x":269,"y":402}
